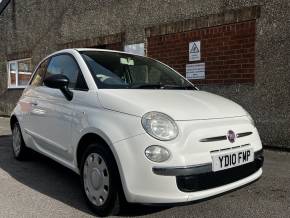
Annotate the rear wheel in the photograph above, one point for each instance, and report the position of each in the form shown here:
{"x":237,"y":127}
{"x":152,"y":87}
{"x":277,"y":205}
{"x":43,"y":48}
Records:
{"x":100,"y":180}
{"x":20,"y":151}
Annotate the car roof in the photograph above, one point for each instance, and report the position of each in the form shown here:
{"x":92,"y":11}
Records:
{"x":71,"y":50}
{"x":95,"y":49}
{"x":104,"y":50}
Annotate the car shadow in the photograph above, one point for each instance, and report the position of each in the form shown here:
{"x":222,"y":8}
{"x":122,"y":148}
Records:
{"x":52,"y":179}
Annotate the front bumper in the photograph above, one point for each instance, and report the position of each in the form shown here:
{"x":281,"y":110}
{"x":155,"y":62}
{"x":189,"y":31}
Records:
{"x":201,"y":177}
{"x":208,"y":180}
{"x":157,"y":183}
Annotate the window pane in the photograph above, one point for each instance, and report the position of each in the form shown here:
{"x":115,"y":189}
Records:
{"x":24,"y":72}
{"x":64,"y":64}
{"x":13,"y":67}
{"x":24,"y":66}
{"x":12,"y":79}
{"x":119,"y":70}
{"x":23,"y":79}
{"x":12,"y":73}
{"x":39,"y":74}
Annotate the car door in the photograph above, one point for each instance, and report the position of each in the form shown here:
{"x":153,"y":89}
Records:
{"x":28,"y":104}
{"x":50,"y":121}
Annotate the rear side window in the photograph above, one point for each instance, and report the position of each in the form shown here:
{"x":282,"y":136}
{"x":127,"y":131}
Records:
{"x":66,"y":65}
{"x":39,"y":74}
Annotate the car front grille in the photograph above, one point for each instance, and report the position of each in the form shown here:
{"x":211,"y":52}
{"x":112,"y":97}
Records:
{"x":224,"y":137}
{"x":210,"y":180}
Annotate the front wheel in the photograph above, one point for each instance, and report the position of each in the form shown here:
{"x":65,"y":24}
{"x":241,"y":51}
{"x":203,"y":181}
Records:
{"x":100,"y":180}
{"x":20,"y":151}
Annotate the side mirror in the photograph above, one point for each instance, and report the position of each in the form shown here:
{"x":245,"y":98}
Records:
{"x":59,"y":81}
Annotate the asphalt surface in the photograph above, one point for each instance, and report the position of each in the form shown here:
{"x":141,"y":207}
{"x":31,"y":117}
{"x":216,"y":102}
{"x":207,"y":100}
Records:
{"x":42,"y":188}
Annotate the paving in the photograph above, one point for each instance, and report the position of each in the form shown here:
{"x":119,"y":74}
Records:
{"x":40,"y":187}
{"x":4,"y":126}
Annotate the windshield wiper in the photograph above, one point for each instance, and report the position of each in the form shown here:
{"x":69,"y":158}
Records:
{"x":161,"y":86}
{"x":145,"y":86}
{"x":178,"y":87}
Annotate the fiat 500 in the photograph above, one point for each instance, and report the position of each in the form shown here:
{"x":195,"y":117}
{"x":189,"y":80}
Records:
{"x":134,"y":129}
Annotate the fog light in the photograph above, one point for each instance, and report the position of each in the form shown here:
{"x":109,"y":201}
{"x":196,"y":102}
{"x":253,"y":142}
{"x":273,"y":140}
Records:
{"x":157,"y":153}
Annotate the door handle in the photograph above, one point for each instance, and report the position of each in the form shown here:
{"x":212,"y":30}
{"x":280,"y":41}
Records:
{"x":34,"y":103}
{"x":38,"y":111}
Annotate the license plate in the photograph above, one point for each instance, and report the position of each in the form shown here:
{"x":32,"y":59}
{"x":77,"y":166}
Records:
{"x":226,"y":160}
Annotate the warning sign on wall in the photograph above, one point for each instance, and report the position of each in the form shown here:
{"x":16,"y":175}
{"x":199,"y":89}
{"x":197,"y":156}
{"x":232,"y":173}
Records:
{"x":194,"y":51}
{"x":195,"y":71}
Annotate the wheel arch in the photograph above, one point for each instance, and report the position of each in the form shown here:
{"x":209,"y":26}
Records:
{"x":93,"y":137}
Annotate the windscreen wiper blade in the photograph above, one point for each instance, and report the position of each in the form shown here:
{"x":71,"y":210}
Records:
{"x":178,"y":87}
{"x":145,"y":86}
{"x":161,"y":86}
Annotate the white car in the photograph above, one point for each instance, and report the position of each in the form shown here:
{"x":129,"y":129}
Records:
{"x":134,"y":129}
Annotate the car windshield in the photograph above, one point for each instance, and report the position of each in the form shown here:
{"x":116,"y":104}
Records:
{"x":113,"y":70}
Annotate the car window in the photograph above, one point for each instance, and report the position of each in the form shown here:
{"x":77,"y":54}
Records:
{"x":66,"y":65}
{"x":112,"y":70}
{"x":39,"y":74}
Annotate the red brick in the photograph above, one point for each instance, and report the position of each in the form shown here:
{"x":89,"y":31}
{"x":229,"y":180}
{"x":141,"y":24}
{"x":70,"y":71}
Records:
{"x":228,"y":51}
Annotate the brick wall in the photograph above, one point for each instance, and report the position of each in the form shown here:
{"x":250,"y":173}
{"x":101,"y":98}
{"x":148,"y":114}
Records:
{"x":227,"y":50}
{"x":115,"y":46}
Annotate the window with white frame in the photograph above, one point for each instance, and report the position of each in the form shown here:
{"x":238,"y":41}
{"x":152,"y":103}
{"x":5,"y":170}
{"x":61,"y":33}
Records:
{"x":19,"y":73}
{"x":135,"y":49}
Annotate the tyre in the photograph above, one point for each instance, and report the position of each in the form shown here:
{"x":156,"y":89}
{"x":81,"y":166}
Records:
{"x":101,"y":181}
{"x":20,"y":151}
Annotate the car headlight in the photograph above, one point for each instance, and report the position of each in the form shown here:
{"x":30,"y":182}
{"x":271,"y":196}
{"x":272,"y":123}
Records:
{"x":160,"y":126}
{"x":251,"y":119}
